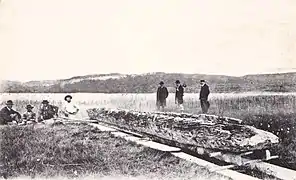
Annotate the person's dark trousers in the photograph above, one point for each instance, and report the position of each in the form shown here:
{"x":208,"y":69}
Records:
{"x":205,"y":104}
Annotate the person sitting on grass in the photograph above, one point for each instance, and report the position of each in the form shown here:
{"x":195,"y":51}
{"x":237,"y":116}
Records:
{"x":29,"y":116}
{"x":69,"y":109}
{"x":47,"y":111}
{"x":8,"y":115}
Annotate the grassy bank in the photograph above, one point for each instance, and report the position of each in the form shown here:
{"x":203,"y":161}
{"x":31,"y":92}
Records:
{"x":84,"y":151}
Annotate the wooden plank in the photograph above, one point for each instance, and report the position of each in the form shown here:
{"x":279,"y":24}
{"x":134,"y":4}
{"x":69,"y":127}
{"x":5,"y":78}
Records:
{"x":270,"y":169}
{"x":226,"y":172}
{"x":103,"y":128}
{"x":276,"y":171}
{"x":213,"y":154}
{"x":222,"y":168}
{"x":158,"y":146}
{"x":65,"y":119}
{"x":246,"y":153}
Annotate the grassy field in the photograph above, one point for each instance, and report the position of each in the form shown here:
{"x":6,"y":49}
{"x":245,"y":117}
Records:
{"x":272,"y":112}
{"x":82,"y":151}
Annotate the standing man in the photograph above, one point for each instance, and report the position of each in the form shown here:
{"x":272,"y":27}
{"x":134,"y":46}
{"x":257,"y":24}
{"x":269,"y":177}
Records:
{"x":179,"y":95}
{"x":47,"y":111}
{"x":7,"y":114}
{"x":203,"y":97}
{"x":162,"y":94}
{"x":69,"y":109}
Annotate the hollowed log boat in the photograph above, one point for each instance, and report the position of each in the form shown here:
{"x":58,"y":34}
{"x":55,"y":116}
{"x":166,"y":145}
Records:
{"x":205,"y":131}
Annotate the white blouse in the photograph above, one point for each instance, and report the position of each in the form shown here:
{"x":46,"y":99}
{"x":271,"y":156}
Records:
{"x":70,"y":107}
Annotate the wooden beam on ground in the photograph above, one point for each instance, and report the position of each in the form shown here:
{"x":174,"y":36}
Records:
{"x":222,"y":168}
{"x":103,"y":128}
{"x":226,"y":172}
{"x":246,"y":153}
{"x":276,"y":171}
{"x":270,"y":169}
{"x":65,"y":119}
{"x":213,"y":154}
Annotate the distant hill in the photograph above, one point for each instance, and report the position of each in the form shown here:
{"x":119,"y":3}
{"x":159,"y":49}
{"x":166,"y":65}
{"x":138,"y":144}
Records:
{"x":147,"y":83}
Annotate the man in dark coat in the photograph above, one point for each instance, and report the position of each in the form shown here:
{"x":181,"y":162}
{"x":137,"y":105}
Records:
{"x":203,"y":96}
{"x":47,"y":111}
{"x":7,"y":114}
{"x":179,"y":95}
{"x":162,"y":94}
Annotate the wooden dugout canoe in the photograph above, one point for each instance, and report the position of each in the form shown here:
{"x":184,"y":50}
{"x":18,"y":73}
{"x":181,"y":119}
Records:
{"x":206,"y":131}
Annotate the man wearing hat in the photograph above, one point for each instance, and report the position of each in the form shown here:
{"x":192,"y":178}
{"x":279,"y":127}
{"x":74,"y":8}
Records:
{"x":162,"y":94}
{"x":203,"y":96}
{"x":47,"y":111}
{"x":179,"y":95}
{"x":7,"y":114}
{"x":29,"y":116}
{"x":69,"y":108}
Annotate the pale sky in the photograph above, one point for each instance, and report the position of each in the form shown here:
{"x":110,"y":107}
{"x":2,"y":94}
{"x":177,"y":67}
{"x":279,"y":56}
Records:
{"x":50,"y":39}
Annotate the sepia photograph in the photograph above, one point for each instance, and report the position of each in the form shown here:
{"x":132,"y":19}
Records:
{"x":148,"y":89}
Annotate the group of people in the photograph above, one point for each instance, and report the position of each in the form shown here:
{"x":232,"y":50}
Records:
{"x":69,"y":109}
{"x":46,"y":111}
{"x":162,"y":94}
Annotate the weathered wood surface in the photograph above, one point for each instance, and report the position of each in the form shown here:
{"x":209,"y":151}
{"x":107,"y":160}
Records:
{"x":207,"y":131}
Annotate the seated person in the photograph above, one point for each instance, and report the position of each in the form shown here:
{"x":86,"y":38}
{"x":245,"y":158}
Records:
{"x":8,"y":115}
{"x":47,"y":111}
{"x":69,"y":109}
{"x":29,"y":116}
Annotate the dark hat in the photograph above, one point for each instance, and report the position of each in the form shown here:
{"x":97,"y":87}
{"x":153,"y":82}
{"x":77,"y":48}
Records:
{"x":178,"y":82}
{"x":45,"y":102}
{"x":202,"y":80}
{"x":9,"y":102}
{"x":29,"y":106}
{"x":161,"y":82}
{"x":67,"y":97}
